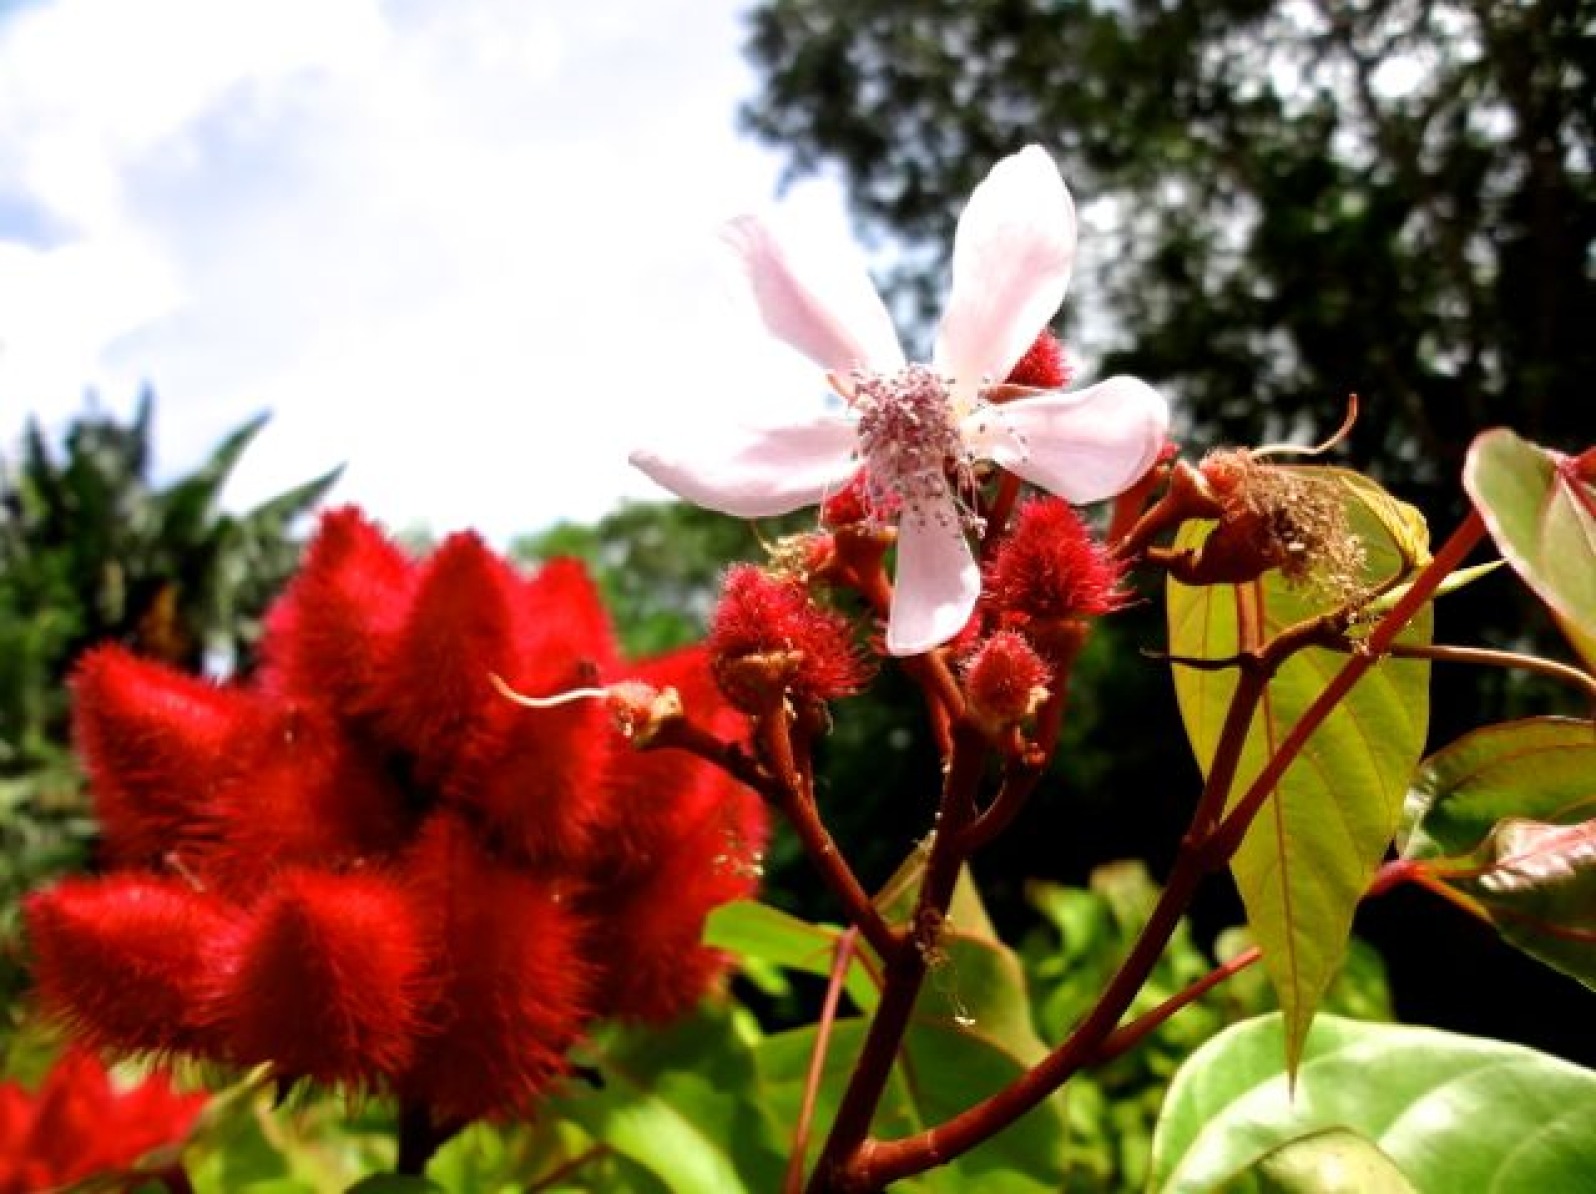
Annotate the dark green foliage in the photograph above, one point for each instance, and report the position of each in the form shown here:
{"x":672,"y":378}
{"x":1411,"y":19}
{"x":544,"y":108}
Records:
{"x":92,"y":551}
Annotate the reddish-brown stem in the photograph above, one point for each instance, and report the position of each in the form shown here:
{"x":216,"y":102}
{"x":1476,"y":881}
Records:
{"x":878,"y":1162}
{"x":842,"y":958}
{"x":1486,"y":657}
{"x":906,"y":968}
{"x":556,"y":1176}
{"x":997,"y":517}
{"x":1127,"y":1036}
{"x":796,"y":804}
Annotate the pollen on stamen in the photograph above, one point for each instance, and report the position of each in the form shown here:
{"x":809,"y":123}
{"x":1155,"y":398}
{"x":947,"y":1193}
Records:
{"x":911,"y":444}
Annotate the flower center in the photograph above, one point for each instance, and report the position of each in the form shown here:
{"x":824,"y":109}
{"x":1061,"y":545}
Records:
{"x":909,"y":441}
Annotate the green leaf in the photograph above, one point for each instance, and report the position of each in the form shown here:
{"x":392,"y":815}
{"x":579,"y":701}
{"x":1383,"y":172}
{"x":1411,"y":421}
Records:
{"x":1308,"y":857}
{"x":1506,"y":816}
{"x":1542,"y":769}
{"x":1540,"y":507}
{"x":1334,"y":1161}
{"x":684,"y":1102}
{"x":1454,"y":1113}
{"x":754,"y":930}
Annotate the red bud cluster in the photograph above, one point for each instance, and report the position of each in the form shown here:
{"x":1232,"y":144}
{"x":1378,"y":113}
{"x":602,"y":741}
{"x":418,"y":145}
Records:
{"x":368,"y":867}
{"x":768,"y":640}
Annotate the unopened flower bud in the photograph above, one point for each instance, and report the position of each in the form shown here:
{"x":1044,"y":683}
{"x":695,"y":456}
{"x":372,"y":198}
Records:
{"x":1050,"y":572}
{"x":1005,"y":681}
{"x":769,"y":640}
{"x":1044,"y":365}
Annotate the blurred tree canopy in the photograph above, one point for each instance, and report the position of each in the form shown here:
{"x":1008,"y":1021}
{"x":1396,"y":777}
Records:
{"x":1286,"y":202}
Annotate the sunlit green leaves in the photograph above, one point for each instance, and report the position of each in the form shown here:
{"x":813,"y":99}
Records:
{"x":1506,"y":816}
{"x":1308,"y":857}
{"x":1450,"y":1112}
{"x":684,"y":1103}
{"x":1540,"y":507}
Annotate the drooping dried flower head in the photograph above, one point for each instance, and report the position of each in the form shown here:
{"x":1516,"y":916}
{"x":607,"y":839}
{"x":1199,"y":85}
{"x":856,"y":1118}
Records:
{"x":1286,"y":518}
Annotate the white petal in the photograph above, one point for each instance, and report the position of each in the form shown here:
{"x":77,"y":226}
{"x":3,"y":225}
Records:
{"x":829,"y":311}
{"x":936,"y":584}
{"x":1012,"y":256}
{"x":754,"y":472}
{"x":1085,"y":445}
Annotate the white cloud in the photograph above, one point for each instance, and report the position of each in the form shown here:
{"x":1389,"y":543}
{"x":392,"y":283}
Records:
{"x":464,"y":248}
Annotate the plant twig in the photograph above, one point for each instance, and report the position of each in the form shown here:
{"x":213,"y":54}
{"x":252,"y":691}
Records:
{"x":842,"y":958}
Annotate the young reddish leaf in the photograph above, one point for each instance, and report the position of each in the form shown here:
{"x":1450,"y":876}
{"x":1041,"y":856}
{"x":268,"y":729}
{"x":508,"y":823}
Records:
{"x":1540,"y":507}
{"x":1310,"y":854}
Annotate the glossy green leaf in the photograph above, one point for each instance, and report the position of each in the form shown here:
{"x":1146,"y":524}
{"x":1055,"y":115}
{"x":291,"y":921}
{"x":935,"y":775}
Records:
{"x":1334,"y":1161}
{"x":1453,"y":1113}
{"x":1309,"y":856}
{"x":684,"y":1102}
{"x":753,"y":930}
{"x":1540,"y":507}
{"x":1540,"y":769}
{"x":1507,"y":817}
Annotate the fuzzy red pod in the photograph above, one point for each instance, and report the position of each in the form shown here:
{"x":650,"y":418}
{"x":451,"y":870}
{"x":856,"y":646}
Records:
{"x":768,"y":639}
{"x":310,"y":794}
{"x":156,"y":743}
{"x":651,"y":929}
{"x":1044,"y":365}
{"x":1005,"y":679}
{"x":80,"y":1124}
{"x":328,"y":635}
{"x":126,"y":962}
{"x":328,"y":975}
{"x":656,"y":797}
{"x":1049,"y":568}
{"x":544,"y":790}
{"x":513,"y":980}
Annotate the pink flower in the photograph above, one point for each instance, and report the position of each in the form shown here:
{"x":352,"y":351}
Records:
{"x":918,"y":430}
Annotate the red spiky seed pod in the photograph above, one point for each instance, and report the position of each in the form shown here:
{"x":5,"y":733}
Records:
{"x":543,"y":790}
{"x":768,"y":640}
{"x":156,"y":742}
{"x":123,"y":961}
{"x":650,"y":931}
{"x":328,"y":973}
{"x":328,"y":636}
{"x":513,"y":979}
